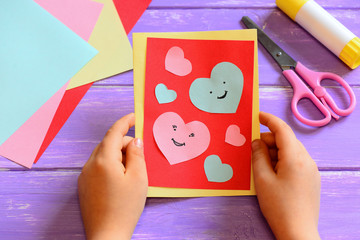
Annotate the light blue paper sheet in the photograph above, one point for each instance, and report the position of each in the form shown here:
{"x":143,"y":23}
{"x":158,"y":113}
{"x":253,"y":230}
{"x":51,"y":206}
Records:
{"x":38,"y":55}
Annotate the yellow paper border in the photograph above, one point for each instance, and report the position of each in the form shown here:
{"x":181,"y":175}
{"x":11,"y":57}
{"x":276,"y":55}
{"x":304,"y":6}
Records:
{"x":139,"y":44}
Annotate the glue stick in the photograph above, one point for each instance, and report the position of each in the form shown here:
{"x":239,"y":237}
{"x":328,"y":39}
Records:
{"x":324,"y":27}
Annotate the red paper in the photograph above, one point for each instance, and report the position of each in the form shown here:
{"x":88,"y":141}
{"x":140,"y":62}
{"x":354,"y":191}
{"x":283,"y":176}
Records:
{"x":70,"y":100}
{"x":130,"y":11}
{"x":204,"y":55}
{"x":73,"y":96}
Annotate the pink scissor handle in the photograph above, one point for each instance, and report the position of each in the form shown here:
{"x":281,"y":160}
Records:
{"x":314,"y":79}
{"x":302,"y":91}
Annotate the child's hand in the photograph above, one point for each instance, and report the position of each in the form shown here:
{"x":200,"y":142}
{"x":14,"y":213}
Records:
{"x":113,"y":184}
{"x":287,"y":182}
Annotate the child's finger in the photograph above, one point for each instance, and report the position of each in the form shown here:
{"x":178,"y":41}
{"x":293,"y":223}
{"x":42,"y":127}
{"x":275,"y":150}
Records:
{"x":261,"y":161}
{"x":135,"y":161}
{"x":126,"y":141}
{"x":284,"y":136}
{"x":269,"y":139}
{"x":113,"y":140}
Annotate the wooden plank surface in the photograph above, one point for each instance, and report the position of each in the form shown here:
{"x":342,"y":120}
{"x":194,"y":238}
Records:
{"x":42,"y":203}
{"x":245,"y":4}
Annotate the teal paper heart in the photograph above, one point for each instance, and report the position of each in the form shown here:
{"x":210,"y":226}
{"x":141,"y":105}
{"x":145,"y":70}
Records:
{"x":221,"y":93}
{"x":163,"y":94}
{"x":216,"y":171}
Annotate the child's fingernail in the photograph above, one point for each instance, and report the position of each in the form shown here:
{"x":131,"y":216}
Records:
{"x":139,"y":143}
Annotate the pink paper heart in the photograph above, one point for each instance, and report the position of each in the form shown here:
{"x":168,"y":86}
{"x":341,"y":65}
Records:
{"x":180,"y":142}
{"x":234,"y":137}
{"x":176,"y":63}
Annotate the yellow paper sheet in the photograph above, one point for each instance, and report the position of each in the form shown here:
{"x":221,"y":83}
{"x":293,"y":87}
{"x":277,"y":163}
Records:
{"x":115,"y":53}
{"x":139,"y":44}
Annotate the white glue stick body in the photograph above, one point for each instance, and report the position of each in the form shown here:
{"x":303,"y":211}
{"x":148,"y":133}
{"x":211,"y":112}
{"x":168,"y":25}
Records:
{"x":324,"y":27}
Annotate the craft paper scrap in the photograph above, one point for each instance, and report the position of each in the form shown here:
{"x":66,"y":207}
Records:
{"x":130,"y":11}
{"x":115,"y":52}
{"x":22,"y":147}
{"x":78,"y":15}
{"x":185,"y":132}
{"x":140,"y":55}
{"x":38,"y":56}
{"x":72,"y":97}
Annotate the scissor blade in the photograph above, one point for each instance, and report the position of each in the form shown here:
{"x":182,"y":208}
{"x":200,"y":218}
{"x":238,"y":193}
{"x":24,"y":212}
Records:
{"x":281,"y":57}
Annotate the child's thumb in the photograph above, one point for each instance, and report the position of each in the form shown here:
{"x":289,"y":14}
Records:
{"x":261,"y":161}
{"x":135,"y":157}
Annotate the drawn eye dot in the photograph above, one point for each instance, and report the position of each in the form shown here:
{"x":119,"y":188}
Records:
{"x":192,"y":135}
{"x":224,"y":82}
{"x":210,"y":92}
{"x":174,"y":127}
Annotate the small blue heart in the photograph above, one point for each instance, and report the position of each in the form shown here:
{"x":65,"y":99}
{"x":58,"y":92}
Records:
{"x":163,"y":95}
{"x":221,"y":93}
{"x":216,"y":171}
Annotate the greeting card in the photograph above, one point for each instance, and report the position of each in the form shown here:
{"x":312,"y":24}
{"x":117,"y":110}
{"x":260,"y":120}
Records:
{"x":198,"y":96}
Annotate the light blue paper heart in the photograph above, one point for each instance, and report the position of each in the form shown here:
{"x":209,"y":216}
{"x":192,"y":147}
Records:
{"x":221,"y":93}
{"x":163,"y":94}
{"x":216,"y":171}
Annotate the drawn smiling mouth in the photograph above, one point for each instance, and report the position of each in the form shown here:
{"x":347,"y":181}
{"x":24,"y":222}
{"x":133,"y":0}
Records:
{"x":177,"y":143}
{"x":223,"y":96}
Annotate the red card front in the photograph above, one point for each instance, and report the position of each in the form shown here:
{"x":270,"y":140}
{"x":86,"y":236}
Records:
{"x":198,"y":113}
{"x":130,"y":11}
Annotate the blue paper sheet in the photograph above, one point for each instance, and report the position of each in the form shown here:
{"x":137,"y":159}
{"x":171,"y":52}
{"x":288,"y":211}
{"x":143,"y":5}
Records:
{"x":38,"y":55}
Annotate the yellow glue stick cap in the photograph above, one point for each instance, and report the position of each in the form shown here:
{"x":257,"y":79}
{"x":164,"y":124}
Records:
{"x":351,"y":53}
{"x":291,"y":7}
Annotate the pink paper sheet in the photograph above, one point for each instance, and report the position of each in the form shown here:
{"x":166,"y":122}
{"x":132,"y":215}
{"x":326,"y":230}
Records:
{"x":78,"y":15}
{"x":22,"y":147}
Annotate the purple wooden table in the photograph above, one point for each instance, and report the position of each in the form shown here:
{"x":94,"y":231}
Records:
{"x":42,"y":203}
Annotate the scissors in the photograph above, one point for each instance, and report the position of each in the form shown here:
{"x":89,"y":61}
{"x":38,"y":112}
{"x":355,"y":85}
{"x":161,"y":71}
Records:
{"x":296,"y":73}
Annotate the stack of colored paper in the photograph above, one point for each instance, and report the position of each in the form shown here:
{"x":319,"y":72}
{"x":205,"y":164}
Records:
{"x":51,"y":53}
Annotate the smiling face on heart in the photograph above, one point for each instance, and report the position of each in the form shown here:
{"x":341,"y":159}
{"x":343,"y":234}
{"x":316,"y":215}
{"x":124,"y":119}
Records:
{"x":221,"y":93}
{"x":180,"y":142}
